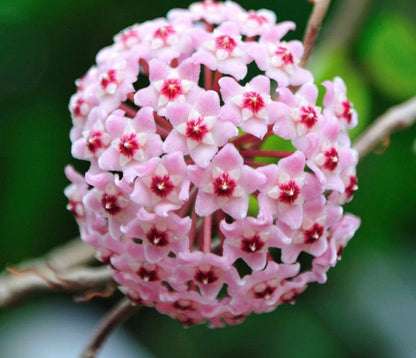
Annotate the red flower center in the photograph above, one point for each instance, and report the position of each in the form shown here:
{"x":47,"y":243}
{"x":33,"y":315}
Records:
{"x":331,"y":159}
{"x":129,"y":37}
{"x":347,"y":110}
{"x":252,"y":244}
{"x":108,"y":79}
{"x":285,"y":55}
{"x":308,"y":116}
{"x":128,"y":145}
{"x":205,"y":277}
{"x":76,"y":208}
{"x":110,"y":204}
{"x":253,"y":101}
{"x":289,"y":296}
{"x":196,"y":129}
{"x":258,"y":18}
{"x":313,"y":234}
{"x":183,"y":305}
{"x":226,"y":43}
{"x":172,"y":88}
{"x":161,"y":185}
{"x":224,"y":185}
{"x":289,"y":192}
{"x":164,"y":32}
{"x":147,"y":275}
{"x":94,"y":141}
{"x":81,"y":108}
{"x":157,"y":237}
{"x":352,"y":187}
{"x":265,"y":293}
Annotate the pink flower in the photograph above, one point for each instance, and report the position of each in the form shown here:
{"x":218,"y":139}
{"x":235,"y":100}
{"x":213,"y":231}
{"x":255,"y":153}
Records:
{"x":261,"y":290}
{"x":135,"y":141}
{"x":162,"y":184}
{"x":110,"y":198}
{"x":250,"y":239}
{"x":225,"y":184}
{"x":336,"y":102}
{"x":160,"y":236}
{"x":254,"y":23}
{"x":224,"y":51}
{"x":287,"y":188}
{"x":247,"y":106}
{"x":341,"y":233}
{"x":280,"y":59}
{"x":301,"y":115}
{"x":209,"y":272}
{"x":197,"y":130}
{"x":185,"y":199}
{"x":93,"y":142}
{"x":213,"y":12}
{"x":168,"y":85}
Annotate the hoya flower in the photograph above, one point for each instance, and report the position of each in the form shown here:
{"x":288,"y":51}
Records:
{"x":197,"y":129}
{"x":185,"y":199}
{"x":301,"y":116}
{"x":247,"y":106}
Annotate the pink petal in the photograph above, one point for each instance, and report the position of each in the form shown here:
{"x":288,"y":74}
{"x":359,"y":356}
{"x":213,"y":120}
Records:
{"x":236,"y":207}
{"x":208,"y":104}
{"x":294,"y":164}
{"x":228,"y":158}
{"x":292,"y":216}
{"x":205,"y":204}
{"x":229,"y":87}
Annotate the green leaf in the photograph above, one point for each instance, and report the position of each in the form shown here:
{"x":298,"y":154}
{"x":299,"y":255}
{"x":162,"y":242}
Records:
{"x":388,"y":50}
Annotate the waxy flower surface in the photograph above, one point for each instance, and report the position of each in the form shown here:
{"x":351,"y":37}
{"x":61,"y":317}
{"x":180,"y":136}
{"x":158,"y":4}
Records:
{"x":183,"y":199}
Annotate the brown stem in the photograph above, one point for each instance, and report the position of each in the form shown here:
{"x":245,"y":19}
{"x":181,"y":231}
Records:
{"x":207,"y":78}
{"x":163,"y":122}
{"x":215,"y":84}
{"x":192,"y":232}
{"x":20,"y":283}
{"x":162,"y":131}
{"x":130,"y":112}
{"x":395,"y":118}
{"x":114,"y":319}
{"x":130,"y":96}
{"x":206,"y":245}
{"x":244,"y":139}
{"x":320,"y":8}
{"x":145,"y":66}
{"x":60,"y":259}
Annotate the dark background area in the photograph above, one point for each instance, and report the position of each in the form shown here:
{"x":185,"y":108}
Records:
{"x":368,"y":306}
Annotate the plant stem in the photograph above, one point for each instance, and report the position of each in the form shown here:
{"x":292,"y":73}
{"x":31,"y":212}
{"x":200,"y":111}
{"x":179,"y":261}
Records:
{"x":320,"y":8}
{"x":114,"y":319}
{"x":395,"y":118}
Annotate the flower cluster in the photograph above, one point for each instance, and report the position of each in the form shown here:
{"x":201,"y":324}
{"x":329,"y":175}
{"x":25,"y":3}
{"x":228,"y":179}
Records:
{"x":184,"y":199}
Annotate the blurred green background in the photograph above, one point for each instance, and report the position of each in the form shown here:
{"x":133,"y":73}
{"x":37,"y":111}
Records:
{"x":368,"y":306}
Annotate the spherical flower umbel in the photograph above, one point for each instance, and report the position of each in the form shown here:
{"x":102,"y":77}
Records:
{"x":193,"y":213}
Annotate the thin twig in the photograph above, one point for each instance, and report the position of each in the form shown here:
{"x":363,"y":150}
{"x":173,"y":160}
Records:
{"x":114,"y":319}
{"x":53,"y":271}
{"x":314,"y":24}
{"x":395,"y":118}
{"x":73,"y":253}
{"x":19,"y":284}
